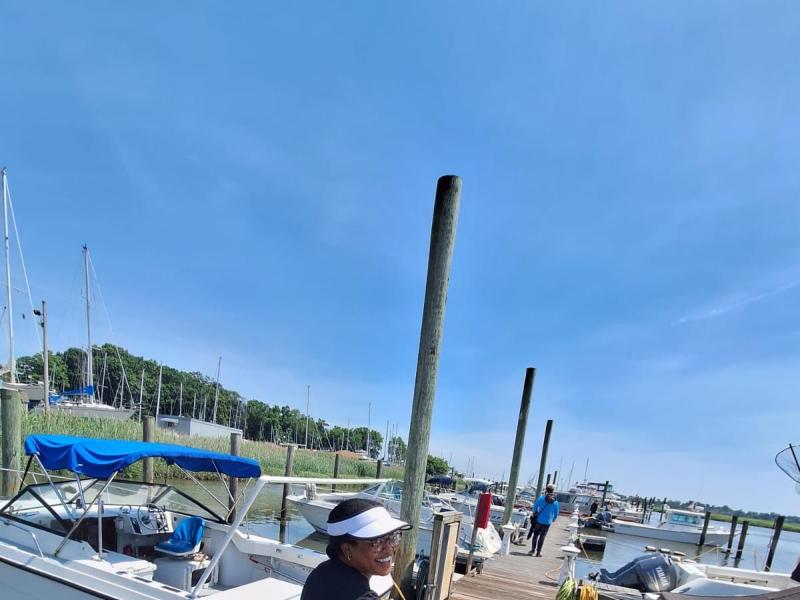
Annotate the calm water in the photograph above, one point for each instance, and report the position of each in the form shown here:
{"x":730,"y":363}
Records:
{"x":620,"y":549}
{"x":263,"y":520}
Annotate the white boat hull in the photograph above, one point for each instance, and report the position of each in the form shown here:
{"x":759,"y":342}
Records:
{"x":713,"y":538}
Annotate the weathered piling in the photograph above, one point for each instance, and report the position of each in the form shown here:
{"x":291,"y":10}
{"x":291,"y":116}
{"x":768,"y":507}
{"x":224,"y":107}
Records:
{"x":379,"y":469}
{"x":776,"y":534}
{"x":703,"y":533}
{"x":548,"y":480}
{"x":732,"y":534}
{"x":740,"y":547}
{"x":644,"y":511}
{"x":603,"y":500}
{"x":148,"y":428}
{"x":11,"y":407}
{"x":336,"y":459}
{"x":233,"y":482}
{"x":443,"y":233}
{"x":519,"y":443}
{"x":288,"y":473}
{"x":543,"y":460}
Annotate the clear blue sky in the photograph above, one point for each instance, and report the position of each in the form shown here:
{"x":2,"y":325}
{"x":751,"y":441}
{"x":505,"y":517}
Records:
{"x":256,"y":181}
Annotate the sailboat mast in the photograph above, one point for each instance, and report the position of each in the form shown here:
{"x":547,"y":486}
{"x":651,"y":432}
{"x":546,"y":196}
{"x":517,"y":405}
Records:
{"x":12,"y":367}
{"x":89,"y":368}
{"x":216,"y":392}
{"x":158,"y":394}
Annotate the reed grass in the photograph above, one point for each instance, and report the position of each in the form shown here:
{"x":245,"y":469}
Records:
{"x":271,"y":457}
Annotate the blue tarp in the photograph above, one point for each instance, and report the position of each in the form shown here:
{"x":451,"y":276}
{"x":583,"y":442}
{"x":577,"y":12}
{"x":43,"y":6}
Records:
{"x":100,"y":458}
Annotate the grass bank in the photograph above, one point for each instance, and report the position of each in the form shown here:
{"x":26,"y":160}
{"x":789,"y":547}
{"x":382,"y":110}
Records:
{"x":757,"y":522}
{"x":307,"y":463}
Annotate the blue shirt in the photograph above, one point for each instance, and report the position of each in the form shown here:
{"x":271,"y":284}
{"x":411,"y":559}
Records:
{"x":547,"y":512}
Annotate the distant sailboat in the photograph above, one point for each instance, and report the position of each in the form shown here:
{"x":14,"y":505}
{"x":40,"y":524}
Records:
{"x":82,"y":402}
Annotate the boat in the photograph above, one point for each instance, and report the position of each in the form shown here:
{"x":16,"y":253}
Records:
{"x":315,"y":507}
{"x":468,"y":504}
{"x":684,"y":526}
{"x":573,"y":499}
{"x":659,"y":572}
{"x":98,"y":536}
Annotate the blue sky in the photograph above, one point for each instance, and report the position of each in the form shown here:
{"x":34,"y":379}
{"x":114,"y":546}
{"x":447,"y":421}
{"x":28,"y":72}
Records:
{"x":256,"y":181}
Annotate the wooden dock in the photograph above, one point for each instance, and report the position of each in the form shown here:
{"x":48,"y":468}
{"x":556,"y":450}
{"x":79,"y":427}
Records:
{"x":518,"y":575}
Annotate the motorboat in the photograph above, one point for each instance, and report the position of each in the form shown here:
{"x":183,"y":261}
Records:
{"x":657,"y":573}
{"x":468,"y":504}
{"x":315,"y":507}
{"x":572,"y":499}
{"x":98,"y":536}
{"x":684,"y":526}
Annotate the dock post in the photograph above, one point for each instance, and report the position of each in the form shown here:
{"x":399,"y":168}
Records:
{"x":233,"y":482}
{"x":603,"y":500}
{"x":644,"y":511}
{"x":148,"y":427}
{"x":776,"y":534}
{"x":543,"y":460}
{"x":379,"y":469}
{"x":732,"y":534}
{"x":288,"y":473}
{"x":12,"y":441}
{"x":443,"y":234}
{"x":548,"y":480}
{"x":519,"y":443}
{"x":703,"y":533}
{"x":740,"y":547}
{"x":336,"y":459}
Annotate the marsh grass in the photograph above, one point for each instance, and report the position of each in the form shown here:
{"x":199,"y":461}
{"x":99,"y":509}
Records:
{"x":272,"y":458}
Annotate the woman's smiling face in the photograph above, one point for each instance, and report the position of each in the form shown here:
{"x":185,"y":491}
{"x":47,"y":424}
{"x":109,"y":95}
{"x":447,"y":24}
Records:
{"x":372,"y":557}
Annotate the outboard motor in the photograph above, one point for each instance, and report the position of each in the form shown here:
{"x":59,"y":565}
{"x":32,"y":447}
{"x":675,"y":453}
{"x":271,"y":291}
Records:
{"x":650,"y":573}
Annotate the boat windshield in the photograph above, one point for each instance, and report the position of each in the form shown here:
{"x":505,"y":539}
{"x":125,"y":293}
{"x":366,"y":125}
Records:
{"x":684,"y":519}
{"x":39,"y":503}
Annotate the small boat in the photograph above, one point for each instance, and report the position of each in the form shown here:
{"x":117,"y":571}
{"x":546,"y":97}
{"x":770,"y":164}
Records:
{"x":684,"y":526}
{"x":315,"y":507}
{"x":97,"y":536}
{"x":592,"y":543}
{"x":468,"y":504}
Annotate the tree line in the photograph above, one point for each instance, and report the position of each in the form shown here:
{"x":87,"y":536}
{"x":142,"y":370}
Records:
{"x":124,"y":380}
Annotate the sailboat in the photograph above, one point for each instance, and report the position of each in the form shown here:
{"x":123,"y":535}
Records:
{"x":83,"y":402}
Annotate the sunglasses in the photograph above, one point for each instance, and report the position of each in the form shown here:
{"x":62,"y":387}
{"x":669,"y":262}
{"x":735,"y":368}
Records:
{"x":390,"y":539}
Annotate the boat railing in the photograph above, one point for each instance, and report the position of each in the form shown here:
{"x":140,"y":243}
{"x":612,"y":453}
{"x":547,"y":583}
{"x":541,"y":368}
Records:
{"x":28,"y":531}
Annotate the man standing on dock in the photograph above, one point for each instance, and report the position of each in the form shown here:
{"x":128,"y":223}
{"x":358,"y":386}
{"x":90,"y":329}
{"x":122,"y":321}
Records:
{"x":545,"y":512}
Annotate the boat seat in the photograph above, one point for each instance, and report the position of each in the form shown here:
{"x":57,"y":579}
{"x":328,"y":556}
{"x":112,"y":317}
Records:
{"x":186,"y":538}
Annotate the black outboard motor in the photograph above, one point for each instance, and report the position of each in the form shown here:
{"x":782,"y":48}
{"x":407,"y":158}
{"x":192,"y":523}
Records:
{"x":650,"y":573}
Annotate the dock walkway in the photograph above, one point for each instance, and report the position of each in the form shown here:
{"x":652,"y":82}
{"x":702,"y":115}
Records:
{"x":518,"y":575}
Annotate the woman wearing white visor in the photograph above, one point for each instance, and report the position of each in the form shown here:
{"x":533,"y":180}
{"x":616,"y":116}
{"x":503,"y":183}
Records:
{"x":363,"y":539}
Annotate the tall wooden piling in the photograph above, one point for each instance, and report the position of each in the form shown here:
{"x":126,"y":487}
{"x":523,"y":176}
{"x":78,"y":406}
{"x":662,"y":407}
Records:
{"x":603,"y":500}
{"x":543,"y":460}
{"x":288,"y":473}
{"x":443,"y":233}
{"x":11,"y":416}
{"x":336,"y":459}
{"x":379,"y":469}
{"x":740,"y":547}
{"x":548,"y":480}
{"x":148,"y":429}
{"x":519,"y":442}
{"x":776,"y":534}
{"x":233,"y":482}
{"x":644,"y":511}
{"x":732,"y":534}
{"x":703,"y":533}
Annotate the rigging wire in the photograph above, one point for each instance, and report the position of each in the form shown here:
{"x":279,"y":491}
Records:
{"x":111,"y":329}
{"x":22,"y":263}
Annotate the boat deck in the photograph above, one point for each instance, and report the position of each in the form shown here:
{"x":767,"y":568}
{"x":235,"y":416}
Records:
{"x":518,"y":575}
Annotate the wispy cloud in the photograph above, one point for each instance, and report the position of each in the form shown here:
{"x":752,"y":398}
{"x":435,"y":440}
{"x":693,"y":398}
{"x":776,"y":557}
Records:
{"x":720,"y":308}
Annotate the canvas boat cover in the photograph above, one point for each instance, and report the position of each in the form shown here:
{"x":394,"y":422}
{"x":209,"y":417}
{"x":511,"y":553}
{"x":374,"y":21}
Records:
{"x":100,"y":458}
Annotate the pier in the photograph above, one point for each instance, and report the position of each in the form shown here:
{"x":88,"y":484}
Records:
{"x":518,"y":575}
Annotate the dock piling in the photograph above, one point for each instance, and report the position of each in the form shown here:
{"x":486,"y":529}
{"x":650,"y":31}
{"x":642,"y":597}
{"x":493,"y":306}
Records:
{"x":148,"y":429}
{"x":519,"y":443}
{"x":288,"y":473}
{"x":732,"y":534}
{"x":543,"y":460}
{"x":233,"y":482}
{"x":442,"y":243}
{"x":379,"y":469}
{"x":11,"y":407}
{"x":336,"y":459}
{"x":740,"y":547}
{"x":703,"y":533}
{"x":776,"y":534}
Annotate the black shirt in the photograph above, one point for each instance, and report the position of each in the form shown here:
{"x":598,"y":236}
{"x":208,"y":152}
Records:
{"x":334,"y":580}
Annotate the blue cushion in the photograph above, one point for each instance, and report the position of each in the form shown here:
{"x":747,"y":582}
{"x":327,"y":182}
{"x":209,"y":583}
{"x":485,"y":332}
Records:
{"x":176,"y":546}
{"x":186,"y":537}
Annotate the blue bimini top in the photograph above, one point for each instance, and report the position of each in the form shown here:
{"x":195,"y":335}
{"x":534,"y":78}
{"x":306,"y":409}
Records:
{"x":101,"y":458}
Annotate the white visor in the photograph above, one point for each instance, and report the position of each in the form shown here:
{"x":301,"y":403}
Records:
{"x":369,"y":524}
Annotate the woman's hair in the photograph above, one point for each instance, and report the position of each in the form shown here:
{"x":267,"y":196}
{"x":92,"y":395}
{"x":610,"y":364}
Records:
{"x":342,"y":511}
